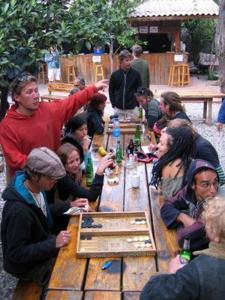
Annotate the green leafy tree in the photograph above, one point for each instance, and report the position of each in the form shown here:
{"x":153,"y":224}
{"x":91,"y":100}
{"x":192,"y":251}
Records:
{"x":103,"y":22}
{"x":199,"y":36}
{"x":26,"y":28}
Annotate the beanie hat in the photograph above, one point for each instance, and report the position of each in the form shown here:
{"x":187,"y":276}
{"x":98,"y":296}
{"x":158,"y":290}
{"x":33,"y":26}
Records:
{"x":44,"y":161}
{"x":196,"y":166}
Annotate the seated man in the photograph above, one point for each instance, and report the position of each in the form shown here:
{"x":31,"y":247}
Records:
{"x":204,"y":277}
{"x":28,"y":246}
{"x":146,"y":99}
{"x":183,"y":211}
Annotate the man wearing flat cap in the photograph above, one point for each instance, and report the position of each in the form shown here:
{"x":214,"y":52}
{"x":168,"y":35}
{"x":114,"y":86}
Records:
{"x":28,"y":246}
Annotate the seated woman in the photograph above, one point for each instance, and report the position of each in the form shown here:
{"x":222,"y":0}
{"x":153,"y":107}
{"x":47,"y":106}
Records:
{"x":76,"y":134}
{"x":198,"y":279}
{"x":68,"y":187}
{"x":203,"y":148}
{"x":95,"y":111}
{"x":175,"y":150}
{"x":171,"y":106}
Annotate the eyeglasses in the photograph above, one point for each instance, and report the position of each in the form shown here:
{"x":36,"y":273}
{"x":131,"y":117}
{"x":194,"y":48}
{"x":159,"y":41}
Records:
{"x":208,"y":185}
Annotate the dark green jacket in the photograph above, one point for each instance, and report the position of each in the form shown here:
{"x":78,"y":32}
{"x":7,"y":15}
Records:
{"x":141,"y":66}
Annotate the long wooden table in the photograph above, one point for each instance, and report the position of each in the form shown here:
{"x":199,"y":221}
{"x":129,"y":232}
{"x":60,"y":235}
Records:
{"x":206,"y":98}
{"x":81,"y":278}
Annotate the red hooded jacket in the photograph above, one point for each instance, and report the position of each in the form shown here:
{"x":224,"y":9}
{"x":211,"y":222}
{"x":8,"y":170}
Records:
{"x":19,"y":133}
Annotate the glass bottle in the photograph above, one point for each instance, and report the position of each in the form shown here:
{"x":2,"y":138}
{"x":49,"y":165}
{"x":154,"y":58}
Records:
{"x":89,"y":171}
{"x":116,"y":132}
{"x":119,"y":153}
{"x":130,"y":148}
{"x":137,"y":138}
{"x":185,"y":255}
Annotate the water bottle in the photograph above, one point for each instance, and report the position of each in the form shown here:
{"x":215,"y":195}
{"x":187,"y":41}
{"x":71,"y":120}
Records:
{"x":116,"y":131}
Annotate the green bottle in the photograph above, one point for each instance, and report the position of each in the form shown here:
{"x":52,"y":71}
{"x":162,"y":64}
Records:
{"x":137,"y":137}
{"x":185,"y":255}
{"x":119,"y":152}
{"x":140,"y":113}
{"x":89,"y":172}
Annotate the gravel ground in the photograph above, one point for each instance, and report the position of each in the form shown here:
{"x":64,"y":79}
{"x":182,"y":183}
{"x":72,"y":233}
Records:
{"x":8,"y":283}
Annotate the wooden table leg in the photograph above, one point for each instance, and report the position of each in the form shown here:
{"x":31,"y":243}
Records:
{"x":209,"y":119}
{"x":205,"y":111}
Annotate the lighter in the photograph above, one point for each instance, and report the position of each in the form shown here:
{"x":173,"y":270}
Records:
{"x":106,"y":265}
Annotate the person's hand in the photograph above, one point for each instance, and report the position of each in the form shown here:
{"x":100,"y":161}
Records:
{"x":152,"y":147}
{"x":62,"y":239}
{"x":86,"y":143}
{"x":100,"y":85}
{"x":175,"y":264}
{"x":185,"y":220}
{"x":105,"y":162}
{"x":219,"y":126}
{"x":80,"y":202}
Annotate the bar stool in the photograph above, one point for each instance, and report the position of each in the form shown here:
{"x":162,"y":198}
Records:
{"x":70,"y":73}
{"x":179,"y":75}
{"x":99,"y":72}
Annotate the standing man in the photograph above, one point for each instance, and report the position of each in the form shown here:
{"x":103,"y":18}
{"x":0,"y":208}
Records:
{"x":140,"y":65}
{"x":52,"y":60}
{"x":31,"y":124}
{"x":122,"y":87}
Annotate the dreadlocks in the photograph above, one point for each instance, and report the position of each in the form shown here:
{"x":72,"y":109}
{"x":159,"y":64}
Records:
{"x":181,"y":145}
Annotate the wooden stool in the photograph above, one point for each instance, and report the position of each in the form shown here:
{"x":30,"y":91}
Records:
{"x":99,"y":72}
{"x":42,"y":75}
{"x":179,"y":75}
{"x":70,"y":73}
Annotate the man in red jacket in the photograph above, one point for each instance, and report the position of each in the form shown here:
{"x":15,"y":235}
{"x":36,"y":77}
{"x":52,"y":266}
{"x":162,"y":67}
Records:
{"x":30,"y":124}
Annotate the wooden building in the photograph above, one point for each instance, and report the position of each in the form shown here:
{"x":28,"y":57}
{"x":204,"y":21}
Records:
{"x":158,"y":23}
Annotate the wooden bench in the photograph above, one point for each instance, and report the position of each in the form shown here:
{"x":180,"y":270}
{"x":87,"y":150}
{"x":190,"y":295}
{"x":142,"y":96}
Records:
{"x":27,"y":290}
{"x":60,"y":87}
{"x":206,"y":98}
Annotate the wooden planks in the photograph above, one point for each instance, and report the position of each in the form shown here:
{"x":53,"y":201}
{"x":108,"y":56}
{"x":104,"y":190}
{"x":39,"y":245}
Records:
{"x":131,"y":295}
{"x":64,"y":295}
{"x":69,"y":271}
{"x":134,"y":275}
{"x":98,"y":295}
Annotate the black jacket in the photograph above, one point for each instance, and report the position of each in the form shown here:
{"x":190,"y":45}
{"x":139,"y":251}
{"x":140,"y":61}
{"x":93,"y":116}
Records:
{"x":202,"y":279}
{"x":68,"y":187}
{"x":26,"y":234}
{"x":95,"y":122}
{"x":122,"y":86}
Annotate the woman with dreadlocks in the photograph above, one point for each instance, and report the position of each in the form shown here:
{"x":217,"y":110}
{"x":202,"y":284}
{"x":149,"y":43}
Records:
{"x":171,"y":106}
{"x":175,"y":150}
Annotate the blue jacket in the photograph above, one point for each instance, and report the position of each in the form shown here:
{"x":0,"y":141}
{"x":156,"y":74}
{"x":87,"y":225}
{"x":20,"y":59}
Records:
{"x":221,"y":114}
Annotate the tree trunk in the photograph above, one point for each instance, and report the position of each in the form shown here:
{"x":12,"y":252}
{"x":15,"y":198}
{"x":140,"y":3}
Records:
{"x":111,"y":56}
{"x":220,"y":44}
{"x":4,"y":102}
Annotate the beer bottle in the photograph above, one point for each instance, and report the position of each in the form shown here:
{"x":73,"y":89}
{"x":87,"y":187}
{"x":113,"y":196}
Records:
{"x":89,"y":171}
{"x":185,"y":255}
{"x":130,"y":148}
{"x":137,"y":137}
{"x":119,"y":153}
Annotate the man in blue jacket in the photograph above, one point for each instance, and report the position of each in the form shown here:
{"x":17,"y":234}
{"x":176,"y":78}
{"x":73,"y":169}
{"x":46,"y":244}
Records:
{"x":123,"y":85}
